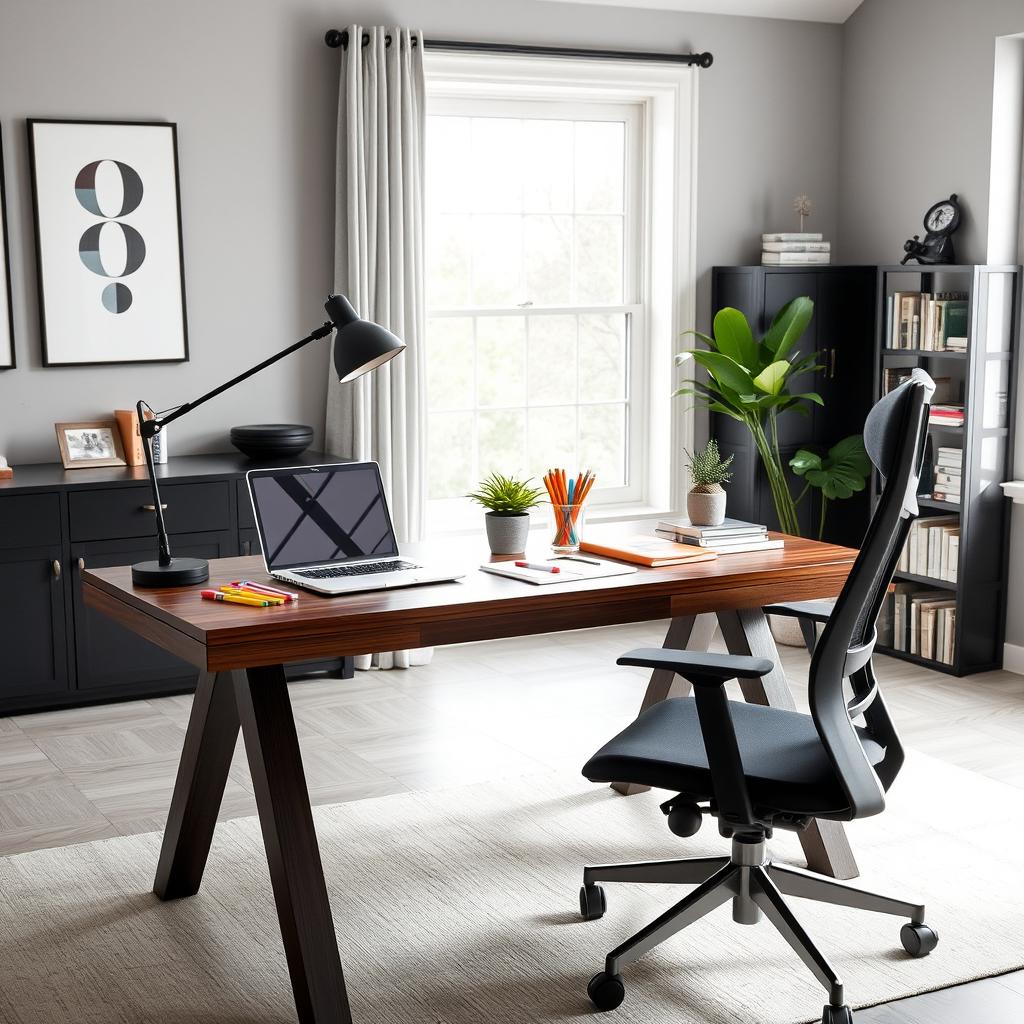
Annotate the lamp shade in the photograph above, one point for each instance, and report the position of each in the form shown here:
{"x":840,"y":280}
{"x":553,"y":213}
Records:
{"x":360,"y":345}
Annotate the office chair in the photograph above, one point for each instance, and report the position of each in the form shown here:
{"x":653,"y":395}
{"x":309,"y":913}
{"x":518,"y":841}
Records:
{"x":759,"y":768}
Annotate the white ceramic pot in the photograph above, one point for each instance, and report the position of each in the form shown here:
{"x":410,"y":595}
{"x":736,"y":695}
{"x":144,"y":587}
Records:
{"x":507,"y":534}
{"x":706,"y":508}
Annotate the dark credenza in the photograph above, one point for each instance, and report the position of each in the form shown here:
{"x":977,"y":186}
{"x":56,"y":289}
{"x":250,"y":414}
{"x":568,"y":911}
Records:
{"x":54,"y":651}
{"x":841,"y":332}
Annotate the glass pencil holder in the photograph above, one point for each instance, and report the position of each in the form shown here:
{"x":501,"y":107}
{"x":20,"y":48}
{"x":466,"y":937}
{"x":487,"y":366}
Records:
{"x":568,"y":526}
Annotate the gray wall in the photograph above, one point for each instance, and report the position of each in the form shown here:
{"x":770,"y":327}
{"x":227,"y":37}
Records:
{"x":916,"y":125}
{"x":253,"y":90}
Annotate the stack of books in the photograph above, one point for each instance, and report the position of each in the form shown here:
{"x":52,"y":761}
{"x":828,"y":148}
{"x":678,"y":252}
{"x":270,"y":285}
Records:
{"x":945,"y":391}
{"x":932,"y":548}
{"x":926,"y":322}
{"x":795,"y":249}
{"x":946,"y":415}
{"x":921,"y":622}
{"x":732,"y":536}
{"x":948,"y":472}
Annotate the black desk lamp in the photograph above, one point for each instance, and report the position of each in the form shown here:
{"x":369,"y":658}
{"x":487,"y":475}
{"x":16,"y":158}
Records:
{"x":360,"y":346}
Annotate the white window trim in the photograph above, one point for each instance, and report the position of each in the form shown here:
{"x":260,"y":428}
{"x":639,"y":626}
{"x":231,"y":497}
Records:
{"x":667,"y":279}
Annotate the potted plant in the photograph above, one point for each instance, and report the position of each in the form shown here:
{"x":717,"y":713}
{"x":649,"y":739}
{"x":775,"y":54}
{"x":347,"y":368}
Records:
{"x":508,"y":518}
{"x":705,"y":503}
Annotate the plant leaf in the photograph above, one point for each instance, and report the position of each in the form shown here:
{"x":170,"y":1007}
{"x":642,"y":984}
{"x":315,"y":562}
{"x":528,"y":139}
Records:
{"x":734,"y":338}
{"x":811,"y":396}
{"x":789,"y":325}
{"x":772,"y":377}
{"x":840,"y":473}
{"x":803,"y":461}
{"x":725,"y":370}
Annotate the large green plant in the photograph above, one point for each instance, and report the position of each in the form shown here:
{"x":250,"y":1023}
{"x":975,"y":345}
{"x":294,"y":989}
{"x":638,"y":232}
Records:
{"x":749,"y":380}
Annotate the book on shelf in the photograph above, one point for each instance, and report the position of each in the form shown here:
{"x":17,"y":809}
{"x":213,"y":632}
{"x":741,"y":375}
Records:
{"x":947,"y":455}
{"x":795,"y":259}
{"x":919,"y":622}
{"x":131,"y":437}
{"x":926,"y":322}
{"x":932,"y":548}
{"x":945,"y":389}
{"x":956,"y":344}
{"x":791,"y":236}
{"x":796,"y":246}
{"x":948,"y":415}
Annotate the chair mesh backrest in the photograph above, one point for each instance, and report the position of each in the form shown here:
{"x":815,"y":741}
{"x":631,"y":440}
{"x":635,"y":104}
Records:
{"x":894,"y":435}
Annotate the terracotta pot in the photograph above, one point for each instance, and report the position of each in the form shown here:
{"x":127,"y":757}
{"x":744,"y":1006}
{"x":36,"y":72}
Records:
{"x":706,"y":508}
{"x":507,"y":534}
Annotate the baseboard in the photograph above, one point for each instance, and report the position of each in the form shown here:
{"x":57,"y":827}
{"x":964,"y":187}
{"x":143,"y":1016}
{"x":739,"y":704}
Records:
{"x":1013,"y":658}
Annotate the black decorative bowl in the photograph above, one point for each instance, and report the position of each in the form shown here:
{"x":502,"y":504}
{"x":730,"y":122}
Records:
{"x":264,"y":441}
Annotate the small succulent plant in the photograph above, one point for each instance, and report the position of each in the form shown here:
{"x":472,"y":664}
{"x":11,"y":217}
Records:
{"x":707,"y":468}
{"x":505,"y":496}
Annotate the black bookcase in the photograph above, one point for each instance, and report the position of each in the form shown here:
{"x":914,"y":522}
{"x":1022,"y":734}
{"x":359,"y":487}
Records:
{"x":842,"y":332}
{"x":979,"y":379}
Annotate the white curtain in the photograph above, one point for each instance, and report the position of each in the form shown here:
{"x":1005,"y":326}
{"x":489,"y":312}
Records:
{"x":378,"y":264}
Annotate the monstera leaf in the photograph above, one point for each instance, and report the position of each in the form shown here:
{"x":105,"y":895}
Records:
{"x":840,"y":473}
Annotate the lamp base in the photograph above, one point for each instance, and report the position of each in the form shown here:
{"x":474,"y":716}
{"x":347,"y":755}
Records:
{"x":182,"y":572}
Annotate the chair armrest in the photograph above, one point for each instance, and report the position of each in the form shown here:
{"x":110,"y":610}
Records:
{"x":815,"y":611}
{"x":699,"y":667}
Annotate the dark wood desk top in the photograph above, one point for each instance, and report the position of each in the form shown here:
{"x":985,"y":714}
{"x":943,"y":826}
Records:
{"x":481,"y":606}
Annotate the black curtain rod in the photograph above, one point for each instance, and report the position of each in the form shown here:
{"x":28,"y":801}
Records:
{"x":339,"y":38}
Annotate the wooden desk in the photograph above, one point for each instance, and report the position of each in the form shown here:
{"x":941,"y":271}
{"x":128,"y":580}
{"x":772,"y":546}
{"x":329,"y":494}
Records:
{"x":241,"y":652}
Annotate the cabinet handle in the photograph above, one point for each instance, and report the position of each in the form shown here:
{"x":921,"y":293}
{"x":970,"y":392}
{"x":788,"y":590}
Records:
{"x":832,"y":371}
{"x":55,"y":565}
{"x":81,"y":564}
{"x":152,"y":508}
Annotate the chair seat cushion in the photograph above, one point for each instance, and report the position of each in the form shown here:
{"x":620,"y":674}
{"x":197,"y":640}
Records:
{"x":786,"y":766}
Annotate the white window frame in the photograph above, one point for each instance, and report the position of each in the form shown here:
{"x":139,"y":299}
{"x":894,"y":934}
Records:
{"x":661,"y":283}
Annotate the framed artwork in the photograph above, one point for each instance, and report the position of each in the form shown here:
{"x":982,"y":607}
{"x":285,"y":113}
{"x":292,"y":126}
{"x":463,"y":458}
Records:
{"x":7,"y":361}
{"x":90,"y":444}
{"x":108,"y":242}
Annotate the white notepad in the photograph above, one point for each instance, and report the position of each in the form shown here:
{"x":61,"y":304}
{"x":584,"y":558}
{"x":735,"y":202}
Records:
{"x":571,"y":571}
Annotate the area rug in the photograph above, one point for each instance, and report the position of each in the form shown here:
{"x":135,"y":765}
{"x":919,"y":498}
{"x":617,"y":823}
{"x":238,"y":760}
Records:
{"x":459,"y":907}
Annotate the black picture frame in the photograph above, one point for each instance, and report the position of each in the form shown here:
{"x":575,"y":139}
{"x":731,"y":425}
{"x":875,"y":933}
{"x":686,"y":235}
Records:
{"x":5,"y":243}
{"x":172,"y":127}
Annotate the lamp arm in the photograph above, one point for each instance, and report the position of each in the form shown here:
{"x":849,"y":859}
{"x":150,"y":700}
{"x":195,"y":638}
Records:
{"x":151,"y":427}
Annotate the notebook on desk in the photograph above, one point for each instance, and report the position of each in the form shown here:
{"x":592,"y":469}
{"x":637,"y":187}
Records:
{"x":642,"y":549}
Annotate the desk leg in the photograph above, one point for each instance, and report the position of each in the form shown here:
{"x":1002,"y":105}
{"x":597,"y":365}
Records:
{"x":825,"y":844}
{"x":199,"y":789}
{"x":296,"y":872}
{"x":687,"y":632}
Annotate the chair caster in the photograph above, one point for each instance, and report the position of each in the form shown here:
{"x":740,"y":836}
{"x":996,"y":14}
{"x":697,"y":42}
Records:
{"x":592,"y":902}
{"x":837,"y":1015}
{"x":918,"y":939}
{"x":606,"y":991}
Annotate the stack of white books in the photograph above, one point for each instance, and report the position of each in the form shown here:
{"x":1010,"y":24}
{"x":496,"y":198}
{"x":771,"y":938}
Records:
{"x":932,"y":548}
{"x":948,"y":472}
{"x":733,"y":535}
{"x":795,"y":249}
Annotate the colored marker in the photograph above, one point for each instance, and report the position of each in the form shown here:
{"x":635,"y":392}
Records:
{"x":264,"y":588}
{"x":253,"y":602}
{"x":246,"y":592}
{"x":538,"y":567}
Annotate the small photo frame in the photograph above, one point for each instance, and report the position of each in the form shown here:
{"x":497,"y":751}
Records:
{"x":90,"y":445}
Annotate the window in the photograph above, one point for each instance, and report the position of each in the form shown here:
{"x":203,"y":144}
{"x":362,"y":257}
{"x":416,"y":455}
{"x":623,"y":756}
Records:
{"x":538,"y":319}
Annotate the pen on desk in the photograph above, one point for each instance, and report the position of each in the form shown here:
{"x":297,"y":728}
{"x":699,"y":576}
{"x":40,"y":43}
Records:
{"x":578,"y":558}
{"x":253,"y":602}
{"x":539,"y":567}
{"x":264,"y":588}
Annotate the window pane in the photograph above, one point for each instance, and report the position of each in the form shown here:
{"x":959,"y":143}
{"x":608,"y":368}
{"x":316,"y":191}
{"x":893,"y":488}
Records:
{"x":552,"y":438}
{"x":552,"y":359}
{"x":497,"y":260}
{"x":502,"y":442}
{"x":448,"y":260}
{"x":449,"y":363}
{"x":547,"y":182}
{"x":603,"y":443}
{"x":497,"y":177}
{"x":598,"y":260}
{"x":501,"y":361}
{"x":548,"y":258}
{"x":449,"y":454}
{"x":449,"y":173}
{"x":600,"y":170}
{"x":602,"y":357}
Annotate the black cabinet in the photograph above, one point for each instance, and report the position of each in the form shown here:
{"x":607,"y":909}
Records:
{"x":54,"y":651}
{"x":841,"y":332}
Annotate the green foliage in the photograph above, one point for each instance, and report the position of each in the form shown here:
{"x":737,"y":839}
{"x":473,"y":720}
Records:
{"x":505,"y":495}
{"x":707,"y":467}
{"x":839,"y":474}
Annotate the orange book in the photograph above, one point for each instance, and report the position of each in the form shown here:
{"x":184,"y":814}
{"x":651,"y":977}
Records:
{"x":641,"y":549}
{"x":131,"y":438}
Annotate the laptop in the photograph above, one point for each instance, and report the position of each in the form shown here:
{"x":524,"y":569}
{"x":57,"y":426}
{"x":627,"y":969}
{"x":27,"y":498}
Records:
{"x":328,"y":529}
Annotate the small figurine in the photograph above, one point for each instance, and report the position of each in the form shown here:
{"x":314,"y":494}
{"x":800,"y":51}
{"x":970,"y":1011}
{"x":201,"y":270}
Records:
{"x":940,"y":222}
{"x":803,"y":205}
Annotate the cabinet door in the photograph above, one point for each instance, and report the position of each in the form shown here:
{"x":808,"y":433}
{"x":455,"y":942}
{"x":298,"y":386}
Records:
{"x":108,"y":655}
{"x":33,"y":631}
{"x":249,"y":542}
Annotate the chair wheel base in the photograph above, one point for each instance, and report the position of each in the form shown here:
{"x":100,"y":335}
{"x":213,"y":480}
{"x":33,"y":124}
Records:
{"x":837,"y":1015}
{"x":918,"y":939}
{"x":606,"y":991}
{"x":593,"y":903}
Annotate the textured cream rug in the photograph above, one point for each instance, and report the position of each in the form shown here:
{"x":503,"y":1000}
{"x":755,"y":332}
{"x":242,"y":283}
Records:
{"x":459,"y":907}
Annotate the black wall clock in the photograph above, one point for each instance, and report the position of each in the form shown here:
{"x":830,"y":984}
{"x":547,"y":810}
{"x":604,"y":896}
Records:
{"x":940,"y":222}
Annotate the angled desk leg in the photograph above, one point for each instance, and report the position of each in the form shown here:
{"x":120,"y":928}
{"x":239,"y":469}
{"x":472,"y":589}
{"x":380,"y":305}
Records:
{"x":199,"y":789}
{"x":296,"y":872}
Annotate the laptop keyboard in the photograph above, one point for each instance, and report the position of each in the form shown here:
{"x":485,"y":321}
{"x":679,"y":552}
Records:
{"x":359,"y":569}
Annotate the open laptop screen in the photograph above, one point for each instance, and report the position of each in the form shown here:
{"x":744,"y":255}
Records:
{"x":316,"y":515}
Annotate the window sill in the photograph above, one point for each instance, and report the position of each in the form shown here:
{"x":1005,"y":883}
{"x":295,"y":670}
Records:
{"x":540,"y":523}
